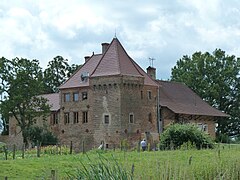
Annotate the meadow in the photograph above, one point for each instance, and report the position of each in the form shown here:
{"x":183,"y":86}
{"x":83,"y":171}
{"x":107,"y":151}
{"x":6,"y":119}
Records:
{"x":222,"y":162}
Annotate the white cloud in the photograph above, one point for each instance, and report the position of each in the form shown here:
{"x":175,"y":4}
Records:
{"x":165,"y":30}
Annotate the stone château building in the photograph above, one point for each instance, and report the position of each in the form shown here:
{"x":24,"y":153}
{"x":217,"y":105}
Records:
{"x":111,"y":98}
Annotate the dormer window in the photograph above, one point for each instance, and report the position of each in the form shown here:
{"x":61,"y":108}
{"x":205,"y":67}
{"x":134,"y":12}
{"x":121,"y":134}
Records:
{"x":84,"y":76}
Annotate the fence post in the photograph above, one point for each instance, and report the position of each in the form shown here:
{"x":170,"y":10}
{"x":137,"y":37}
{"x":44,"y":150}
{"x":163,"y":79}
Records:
{"x":38,"y":149}
{"x":83,"y":148}
{"x":71,"y":146}
{"x":53,"y":174}
{"x":5,"y":152}
{"x":14,"y":150}
{"x":23,"y":149}
{"x":138,"y":148}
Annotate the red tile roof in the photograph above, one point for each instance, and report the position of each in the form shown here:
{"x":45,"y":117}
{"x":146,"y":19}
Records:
{"x":115,"y":61}
{"x":53,"y":101}
{"x":182,"y":100}
{"x":88,"y":67}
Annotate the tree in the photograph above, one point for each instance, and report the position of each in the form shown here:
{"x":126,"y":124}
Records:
{"x":21,"y":85}
{"x":41,"y":135}
{"x":216,"y":78}
{"x":57,"y":71}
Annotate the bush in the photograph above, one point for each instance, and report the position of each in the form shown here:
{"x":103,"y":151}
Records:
{"x":42,"y":135}
{"x":178,"y":134}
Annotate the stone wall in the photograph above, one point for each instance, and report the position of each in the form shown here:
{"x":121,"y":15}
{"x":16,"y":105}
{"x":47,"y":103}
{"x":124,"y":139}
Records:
{"x":208,"y":122}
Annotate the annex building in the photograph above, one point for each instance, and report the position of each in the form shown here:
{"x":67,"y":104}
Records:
{"x":111,"y":98}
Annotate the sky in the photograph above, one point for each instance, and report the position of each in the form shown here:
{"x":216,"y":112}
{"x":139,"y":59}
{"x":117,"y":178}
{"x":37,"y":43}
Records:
{"x":161,"y":29}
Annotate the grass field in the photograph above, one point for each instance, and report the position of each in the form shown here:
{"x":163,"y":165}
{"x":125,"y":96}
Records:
{"x":222,"y":162}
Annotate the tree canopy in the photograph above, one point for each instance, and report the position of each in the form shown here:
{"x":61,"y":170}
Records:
{"x":21,"y":85}
{"x":216,"y":78}
{"x":58,"y":70}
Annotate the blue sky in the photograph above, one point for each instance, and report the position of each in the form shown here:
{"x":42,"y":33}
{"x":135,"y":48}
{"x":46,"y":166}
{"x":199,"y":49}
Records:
{"x":161,"y":29}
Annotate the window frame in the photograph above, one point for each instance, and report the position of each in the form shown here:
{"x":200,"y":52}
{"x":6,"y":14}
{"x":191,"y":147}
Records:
{"x":131,"y":118}
{"x":75,"y":118}
{"x":84,"y":95}
{"x":84,"y":117}
{"x":149,"y":94}
{"x":74,"y":97}
{"x":66,"y":97}
{"x":104,"y":118}
{"x":66,"y":118}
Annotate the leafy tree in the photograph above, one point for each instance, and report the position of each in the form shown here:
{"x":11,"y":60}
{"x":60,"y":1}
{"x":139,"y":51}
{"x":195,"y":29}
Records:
{"x":58,"y":70}
{"x":178,"y":134}
{"x":21,"y":84}
{"x":216,"y":78}
{"x":41,"y":135}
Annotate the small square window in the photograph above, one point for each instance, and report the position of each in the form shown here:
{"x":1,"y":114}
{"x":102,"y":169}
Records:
{"x":75,"y":96}
{"x":131,"y":118}
{"x":106,"y":119}
{"x":84,"y":95}
{"x":66,"y":97}
{"x":85,"y":116}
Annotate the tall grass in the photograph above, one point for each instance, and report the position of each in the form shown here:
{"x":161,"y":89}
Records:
{"x":223,"y":162}
{"x":101,"y":169}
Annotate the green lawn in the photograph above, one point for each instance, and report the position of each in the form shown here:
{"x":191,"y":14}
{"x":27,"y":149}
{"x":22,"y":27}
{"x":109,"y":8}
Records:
{"x":218,"y":163}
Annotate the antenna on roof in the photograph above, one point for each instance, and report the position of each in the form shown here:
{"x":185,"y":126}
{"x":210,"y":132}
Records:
{"x":115,"y":34}
{"x":151,"y":61}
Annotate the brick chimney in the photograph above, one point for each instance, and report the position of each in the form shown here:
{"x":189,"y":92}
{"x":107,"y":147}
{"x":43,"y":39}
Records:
{"x":152,"y":72}
{"x":104,"y":47}
{"x":87,"y":58}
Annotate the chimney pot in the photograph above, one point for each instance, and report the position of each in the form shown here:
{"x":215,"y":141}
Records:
{"x":152,"y":72}
{"x":87,"y":58}
{"x":104,"y":47}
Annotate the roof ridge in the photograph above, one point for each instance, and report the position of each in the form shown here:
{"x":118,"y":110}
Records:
{"x":119,"y":66}
{"x":103,"y":55}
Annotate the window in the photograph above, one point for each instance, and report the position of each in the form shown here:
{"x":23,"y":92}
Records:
{"x":131,"y":118}
{"x":150,"y":117}
{"x":66,"y":118}
{"x":203,"y":127}
{"x":84,"y":95}
{"x":106,"y":119}
{"x":55,"y":118}
{"x":66,"y":97}
{"x":85,"y":116}
{"x":149,"y":94}
{"x":75,"y":117}
{"x":75,"y":96}
{"x":141,"y":94}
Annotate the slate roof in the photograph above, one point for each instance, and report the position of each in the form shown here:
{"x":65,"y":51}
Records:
{"x":53,"y":101}
{"x":182,"y":100}
{"x":115,"y":61}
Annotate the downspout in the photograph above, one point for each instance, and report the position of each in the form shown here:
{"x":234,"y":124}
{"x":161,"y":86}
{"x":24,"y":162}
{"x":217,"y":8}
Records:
{"x":159,"y":118}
